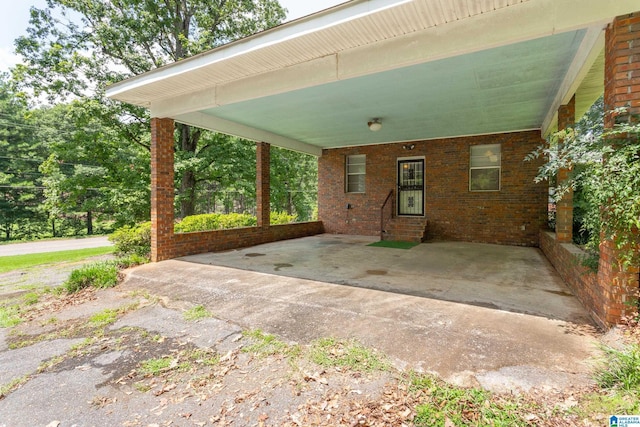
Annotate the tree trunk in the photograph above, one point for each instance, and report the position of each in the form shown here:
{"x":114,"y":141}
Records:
{"x":188,"y":192}
{"x":53,"y":226}
{"x":189,"y":138}
{"x":89,"y":223}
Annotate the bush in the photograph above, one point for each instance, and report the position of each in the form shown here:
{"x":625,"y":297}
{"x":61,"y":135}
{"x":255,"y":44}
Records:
{"x":282,"y":218}
{"x":216,"y":221}
{"x":132,"y":240}
{"x":103,"y":274}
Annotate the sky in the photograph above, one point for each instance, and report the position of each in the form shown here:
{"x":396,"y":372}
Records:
{"x":14,"y":20}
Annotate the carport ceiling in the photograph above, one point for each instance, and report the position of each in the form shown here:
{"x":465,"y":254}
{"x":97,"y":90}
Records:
{"x":497,"y":90}
{"x":427,"y":68}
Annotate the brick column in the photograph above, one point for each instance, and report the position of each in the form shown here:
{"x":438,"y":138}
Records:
{"x":621,"y":89}
{"x":263,"y":183}
{"x":564,"y":207}
{"x":162,"y":189}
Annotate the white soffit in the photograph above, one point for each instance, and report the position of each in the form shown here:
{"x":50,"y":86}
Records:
{"x":365,"y":37}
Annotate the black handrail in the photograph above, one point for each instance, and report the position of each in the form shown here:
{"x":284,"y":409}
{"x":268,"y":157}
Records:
{"x":389,"y":197}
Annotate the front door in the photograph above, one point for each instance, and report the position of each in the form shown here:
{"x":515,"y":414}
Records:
{"x":411,"y":187}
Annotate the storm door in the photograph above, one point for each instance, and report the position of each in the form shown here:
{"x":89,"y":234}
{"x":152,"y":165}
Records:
{"x":411,"y":187}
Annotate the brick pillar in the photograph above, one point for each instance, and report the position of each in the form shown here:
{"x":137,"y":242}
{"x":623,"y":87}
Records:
{"x":162,"y":189}
{"x":564,"y":207}
{"x":263,"y":183}
{"x":621,"y":89}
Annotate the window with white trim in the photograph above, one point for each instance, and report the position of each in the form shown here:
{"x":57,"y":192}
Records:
{"x":356,"y":170}
{"x":485,"y":167}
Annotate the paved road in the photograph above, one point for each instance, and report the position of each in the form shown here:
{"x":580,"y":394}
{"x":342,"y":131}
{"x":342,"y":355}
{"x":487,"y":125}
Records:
{"x":53,"y":246}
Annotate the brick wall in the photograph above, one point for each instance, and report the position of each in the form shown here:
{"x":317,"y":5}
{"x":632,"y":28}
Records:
{"x":511,"y":216}
{"x":220,"y":240}
{"x":567,"y":260}
{"x":622,"y":67}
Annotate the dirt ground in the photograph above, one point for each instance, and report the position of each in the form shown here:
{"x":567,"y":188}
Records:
{"x":109,"y":357}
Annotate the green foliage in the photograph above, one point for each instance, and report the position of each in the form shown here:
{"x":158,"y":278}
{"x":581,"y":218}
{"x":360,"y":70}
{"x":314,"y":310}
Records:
{"x":16,"y":262}
{"x":125,"y":38}
{"x":103,"y":318}
{"x":605,"y":172}
{"x":329,"y":352}
{"x":31,"y":298}
{"x":9,"y":316}
{"x":276,"y":218}
{"x":131,"y":261}
{"x":157,"y":366}
{"x":264,"y":345}
{"x":294,"y":183}
{"x":132,"y":240}
{"x":620,"y":369}
{"x":196,"y":313}
{"x":448,"y":405}
{"x":102,"y":274}
{"x":215,"y":221}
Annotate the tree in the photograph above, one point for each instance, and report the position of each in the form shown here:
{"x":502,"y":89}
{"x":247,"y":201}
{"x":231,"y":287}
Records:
{"x":97,"y":170}
{"x":76,"y":47}
{"x":294,"y":183}
{"x":20,"y":155}
{"x":605,"y":168}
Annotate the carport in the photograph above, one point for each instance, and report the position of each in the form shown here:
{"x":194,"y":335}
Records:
{"x":456,"y":91}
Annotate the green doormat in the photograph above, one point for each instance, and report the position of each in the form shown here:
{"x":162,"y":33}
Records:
{"x":394,"y":244}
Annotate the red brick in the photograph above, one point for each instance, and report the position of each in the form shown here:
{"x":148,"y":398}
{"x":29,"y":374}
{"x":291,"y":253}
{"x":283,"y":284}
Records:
{"x":454,"y":213}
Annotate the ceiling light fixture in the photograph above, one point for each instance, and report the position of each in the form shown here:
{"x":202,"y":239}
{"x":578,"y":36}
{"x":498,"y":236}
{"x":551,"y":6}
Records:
{"x":374,"y":125}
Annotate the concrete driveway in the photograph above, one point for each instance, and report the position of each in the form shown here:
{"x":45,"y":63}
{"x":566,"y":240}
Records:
{"x":474,"y":314}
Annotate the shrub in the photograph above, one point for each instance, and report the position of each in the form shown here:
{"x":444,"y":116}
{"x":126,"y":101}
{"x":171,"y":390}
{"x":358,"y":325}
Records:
{"x":216,"y":221}
{"x":236,"y":220}
{"x":103,"y":274}
{"x":621,"y":369}
{"x":133,"y":240}
{"x":282,"y":218}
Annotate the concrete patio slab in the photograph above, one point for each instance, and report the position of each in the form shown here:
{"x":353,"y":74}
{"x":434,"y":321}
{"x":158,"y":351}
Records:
{"x":517,"y":279}
{"x":475,"y":342}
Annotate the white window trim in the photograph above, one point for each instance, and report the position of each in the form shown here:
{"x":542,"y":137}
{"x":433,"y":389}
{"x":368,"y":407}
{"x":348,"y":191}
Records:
{"x":348,"y":174}
{"x":499,"y":168}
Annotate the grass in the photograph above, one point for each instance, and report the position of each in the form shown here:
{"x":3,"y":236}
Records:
{"x":447,"y":405}
{"x":9,"y":316}
{"x":394,"y":244}
{"x":15,"y":262}
{"x":620,"y":370}
{"x":329,"y":352}
{"x":267,"y":345}
{"x":153,"y":367}
{"x":196,"y":313}
{"x":5,"y":389}
{"x":184,"y":361}
{"x":103,"y":274}
{"x":103,"y":318}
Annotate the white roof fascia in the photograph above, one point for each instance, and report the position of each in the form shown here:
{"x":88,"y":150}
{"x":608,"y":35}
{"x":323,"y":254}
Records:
{"x":312,"y":23}
{"x":217,"y":124}
{"x":589,"y":51}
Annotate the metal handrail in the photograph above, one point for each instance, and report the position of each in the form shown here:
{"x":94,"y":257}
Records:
{"x":389,"y":197}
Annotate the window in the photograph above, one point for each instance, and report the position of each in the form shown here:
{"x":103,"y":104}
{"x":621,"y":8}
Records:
{"x":356,"y":172}
{"x":485,"y":165}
